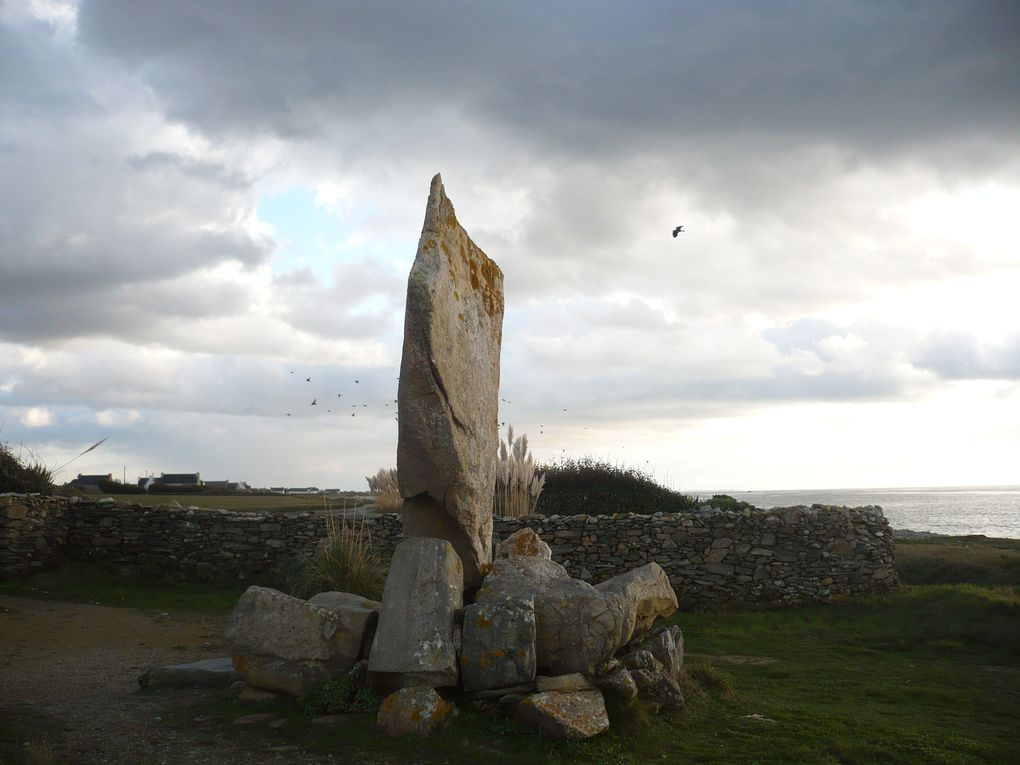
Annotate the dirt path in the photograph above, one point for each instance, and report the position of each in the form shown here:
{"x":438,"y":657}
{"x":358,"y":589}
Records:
{"x":72,"y":669}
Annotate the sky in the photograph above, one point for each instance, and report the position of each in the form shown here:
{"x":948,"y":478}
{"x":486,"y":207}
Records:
{"x":204,"y":204}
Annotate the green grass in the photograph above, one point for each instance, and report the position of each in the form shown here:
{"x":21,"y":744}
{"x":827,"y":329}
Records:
{"x":277,"y":503}
{"x":104,"y":585}
{"x":959,"y":560}
{"x":927,"y":674}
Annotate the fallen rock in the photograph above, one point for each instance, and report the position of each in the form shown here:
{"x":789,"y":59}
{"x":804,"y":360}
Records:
{"x":255,"y":719}
{"x":642,"y":658}
{"x":414,"y":642}
{"x":658,"y":689}
{"x":209,"y":672}
{"x":356,"y":618}
{"x":618,"y":684}
{"x":418,"y":710}
{"x":287,"y":644}
{"x":667,"y":645}
{"x":563,"y":683}
{"x":645,"y":593}
{"x":498,"y":648}
{"x":577,"y":715}
{"x":576,"y":628}
{"x":255,"y":695}
{"x":524,"y":542}
{"x":448,"y":392}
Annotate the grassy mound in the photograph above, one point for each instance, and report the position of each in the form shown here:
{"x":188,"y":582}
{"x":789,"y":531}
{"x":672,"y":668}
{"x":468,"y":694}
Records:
{"x":595,"y":487}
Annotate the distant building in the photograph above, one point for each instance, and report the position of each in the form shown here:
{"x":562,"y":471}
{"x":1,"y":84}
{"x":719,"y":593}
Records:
{"x":278,"y":489}
{"x":226,"y":485}
{"x":89,"y":483}
{"x":180,"y":479}
{"x":303,"y":490}
{"x":146,"y":482}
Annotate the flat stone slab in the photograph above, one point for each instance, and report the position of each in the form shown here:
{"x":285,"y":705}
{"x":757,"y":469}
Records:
{"x":208,"y":672}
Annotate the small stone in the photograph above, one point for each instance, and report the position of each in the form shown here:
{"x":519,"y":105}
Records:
{"x":563,"y":683}
{"x":618,"y":684}
{"x":524,"y":542}
{"x":255,"y":719}
{"x":498,"y":644}
{"x":418,"y":710}
{"x":209,"y":672}
{"x":577,"y":715}
{"x":255,"y":695}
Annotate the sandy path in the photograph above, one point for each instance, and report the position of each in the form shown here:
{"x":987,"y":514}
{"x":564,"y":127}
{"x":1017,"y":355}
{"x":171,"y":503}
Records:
{"x":72,"y":669}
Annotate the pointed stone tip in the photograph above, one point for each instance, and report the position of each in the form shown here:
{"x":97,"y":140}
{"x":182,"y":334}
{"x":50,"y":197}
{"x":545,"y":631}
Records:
{"x":437,"y":181}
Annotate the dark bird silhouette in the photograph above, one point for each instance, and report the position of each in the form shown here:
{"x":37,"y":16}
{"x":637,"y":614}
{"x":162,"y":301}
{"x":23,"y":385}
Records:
{"x":308,"y":379}
{"x":677,"y":230}
{"x":314,"y":402}
{"x":352,"y":414}
{"x":355,"y":381}
{"x":288,"y":414}
{"x":329,"y":410}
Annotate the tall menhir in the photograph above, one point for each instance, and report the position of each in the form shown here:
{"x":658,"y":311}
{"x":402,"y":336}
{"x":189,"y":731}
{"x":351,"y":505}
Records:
{"x":448,"y":395}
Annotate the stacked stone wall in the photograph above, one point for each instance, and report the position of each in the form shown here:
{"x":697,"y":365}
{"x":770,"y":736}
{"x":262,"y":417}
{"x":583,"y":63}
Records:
{"x":33,"y":531}
{"x":712,"y":557}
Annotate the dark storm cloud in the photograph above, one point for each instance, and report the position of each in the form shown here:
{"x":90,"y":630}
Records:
{"x":577,"y":77}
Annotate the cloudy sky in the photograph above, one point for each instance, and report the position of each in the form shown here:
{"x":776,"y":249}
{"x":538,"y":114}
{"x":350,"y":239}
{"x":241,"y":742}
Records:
{"x":202,"y":204}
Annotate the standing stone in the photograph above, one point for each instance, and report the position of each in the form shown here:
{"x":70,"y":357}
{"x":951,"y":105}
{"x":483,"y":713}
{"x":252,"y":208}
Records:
{"x":524,"y":542}
{"x":414,"y":642}
{"x":448,"y":395}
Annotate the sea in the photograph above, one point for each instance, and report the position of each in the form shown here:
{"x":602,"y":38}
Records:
{"x":958,"y":510}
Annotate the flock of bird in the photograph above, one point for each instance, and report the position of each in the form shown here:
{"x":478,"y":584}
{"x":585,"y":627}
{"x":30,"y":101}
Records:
{"x":315,"y":401}
{"x":541,"y":427}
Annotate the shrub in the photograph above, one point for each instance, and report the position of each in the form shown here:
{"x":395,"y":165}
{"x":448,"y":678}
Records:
{"x":594,"y":487}
{"x":384,"y":485}
{"x":341,"y":696}
{"x":518,"y":483}
{"x":116,"y":487}
{"x":343,"y":560}
{"x":726,"y":502}
{"x":26,"y":476}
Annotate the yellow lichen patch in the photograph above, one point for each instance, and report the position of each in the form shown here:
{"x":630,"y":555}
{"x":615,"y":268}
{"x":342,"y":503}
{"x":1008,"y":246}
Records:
{"x":520,"y":653}
{"x":463,"y":660}
{"x":241,"y":664}
{"x":451,"y":220}
{"x":483,"y":622}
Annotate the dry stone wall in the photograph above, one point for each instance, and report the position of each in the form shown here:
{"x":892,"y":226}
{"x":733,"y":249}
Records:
{"x":712,"y":557}
{"x":33,"y":531}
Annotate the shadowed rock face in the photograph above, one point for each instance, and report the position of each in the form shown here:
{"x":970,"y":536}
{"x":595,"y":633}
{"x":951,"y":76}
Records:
{"x":449,"y":387}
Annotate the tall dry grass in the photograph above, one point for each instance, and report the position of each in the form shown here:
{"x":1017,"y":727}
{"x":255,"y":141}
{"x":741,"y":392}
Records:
{"x":343,"y":560}
{"x":384,"y":485}
{"x":518,"y":483}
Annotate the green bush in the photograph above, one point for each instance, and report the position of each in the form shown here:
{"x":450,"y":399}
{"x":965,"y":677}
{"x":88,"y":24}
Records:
{"x":341,"y":696}
{"x":116,"y":487}
{"x":726,"y":502}
{"x":594,"y":487}
{"x":23,"y":476}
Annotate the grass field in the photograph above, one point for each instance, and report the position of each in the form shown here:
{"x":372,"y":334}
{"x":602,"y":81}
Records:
{"x":927,"y":674}
{"x":277,"y":503}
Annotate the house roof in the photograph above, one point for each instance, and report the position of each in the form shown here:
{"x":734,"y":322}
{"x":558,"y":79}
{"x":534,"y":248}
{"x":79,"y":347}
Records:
{"x":179,"y":478}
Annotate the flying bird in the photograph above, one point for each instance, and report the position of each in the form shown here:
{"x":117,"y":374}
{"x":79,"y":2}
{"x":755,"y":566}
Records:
{"x":314,"y":401}
{"x":677,"y":230}
{"x":288,"y":414}
{"x":308,"y":379}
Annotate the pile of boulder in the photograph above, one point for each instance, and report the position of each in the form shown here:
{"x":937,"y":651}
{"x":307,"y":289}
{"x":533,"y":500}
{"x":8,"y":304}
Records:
{"x":534,"y":643}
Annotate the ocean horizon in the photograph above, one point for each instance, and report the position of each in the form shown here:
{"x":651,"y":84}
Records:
{"x":956,"y":510}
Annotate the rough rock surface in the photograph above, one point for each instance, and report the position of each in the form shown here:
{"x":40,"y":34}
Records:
{"x":417,"y":710}
{"x":288,"y":644}
{"x":524,"y":542}
{"x":650,"y":592}
{"x":209,"y":672}
{"x":575,"y":681}
{"x":356,"y":616}
{"x":618,"y":683}
{"x":658,"y":689}
{"x":448,"y":395}
{"x":577,"y":715}
{"x":667,"y":645}
{"x":414,"y":642}
{"x":498,"y":644}
{"x":576,"y":628}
